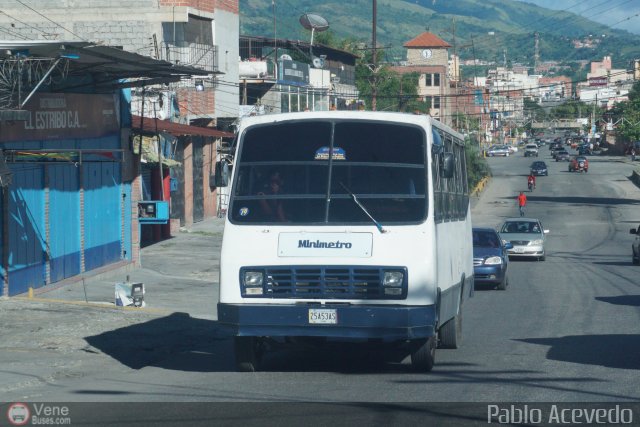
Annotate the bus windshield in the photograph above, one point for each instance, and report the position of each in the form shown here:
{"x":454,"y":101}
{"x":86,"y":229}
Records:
{"x":285,"y":173}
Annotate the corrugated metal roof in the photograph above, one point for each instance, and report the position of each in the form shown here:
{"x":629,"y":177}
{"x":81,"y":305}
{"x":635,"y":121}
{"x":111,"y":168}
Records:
{"x":427,"y":39}
{"x":109,"y":64}
{"x":176,"y":129}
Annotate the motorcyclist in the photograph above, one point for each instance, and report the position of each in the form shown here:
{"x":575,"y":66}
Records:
{"x":531,"y":181}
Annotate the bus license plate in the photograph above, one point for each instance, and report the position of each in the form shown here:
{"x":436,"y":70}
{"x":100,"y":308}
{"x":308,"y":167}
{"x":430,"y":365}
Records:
{"x":323,"y":316}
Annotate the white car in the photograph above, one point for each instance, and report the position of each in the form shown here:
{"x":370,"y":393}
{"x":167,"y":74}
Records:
{"x":526,"y":235}
{"x":531,"y":150}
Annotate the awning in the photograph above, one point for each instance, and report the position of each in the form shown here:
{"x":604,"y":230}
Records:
{"x":150,"y":125}
{"x":107,"y":64}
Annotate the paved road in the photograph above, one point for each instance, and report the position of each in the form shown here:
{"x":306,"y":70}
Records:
{"x":565,"y":330}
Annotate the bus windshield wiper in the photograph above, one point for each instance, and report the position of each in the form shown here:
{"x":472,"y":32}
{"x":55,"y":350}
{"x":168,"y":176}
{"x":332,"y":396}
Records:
{"x":357,"y":202}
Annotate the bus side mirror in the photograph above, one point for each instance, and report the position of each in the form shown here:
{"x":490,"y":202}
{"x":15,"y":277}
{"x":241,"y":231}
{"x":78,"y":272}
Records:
{"x":221,"y":178}
{"x":447,"y":165}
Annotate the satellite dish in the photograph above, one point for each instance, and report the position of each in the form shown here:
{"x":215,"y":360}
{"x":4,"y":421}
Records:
{"x":318,"y":62}
{"x":314,"y":22}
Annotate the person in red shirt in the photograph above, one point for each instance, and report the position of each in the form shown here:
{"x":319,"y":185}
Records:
{"x":522,"y":202}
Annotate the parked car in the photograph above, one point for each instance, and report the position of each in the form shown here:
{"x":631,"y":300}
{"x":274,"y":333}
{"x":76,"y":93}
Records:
{"x":539,"y":168}
{"x":490,"y":258}
{"x":562,"y":155}
{"x":498,"y":150}
{"x":531,"y":150}
{"x":635,"y":246}
{"x":579,"y":164}
{"x":526,"y":235}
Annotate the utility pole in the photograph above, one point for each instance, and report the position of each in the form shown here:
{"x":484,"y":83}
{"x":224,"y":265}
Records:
{"x":455,"y":69}
{"x":275,"y":43}
{"x":374,"y":89}
{"x":536,"y":55}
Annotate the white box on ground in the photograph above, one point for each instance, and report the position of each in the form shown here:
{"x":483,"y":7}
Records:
{"x":130,"y":294}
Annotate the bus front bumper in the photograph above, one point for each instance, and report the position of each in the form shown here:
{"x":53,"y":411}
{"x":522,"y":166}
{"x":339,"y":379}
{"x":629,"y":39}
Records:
{"x":351,"y":321}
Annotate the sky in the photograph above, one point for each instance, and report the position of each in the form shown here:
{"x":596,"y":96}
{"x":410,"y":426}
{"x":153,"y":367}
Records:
{"x":619,"y":14}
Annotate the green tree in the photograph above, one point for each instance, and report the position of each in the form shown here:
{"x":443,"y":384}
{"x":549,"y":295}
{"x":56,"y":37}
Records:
{"x":629,"y":126}
{"x":533,"y":110}
{"x":394,"y":91}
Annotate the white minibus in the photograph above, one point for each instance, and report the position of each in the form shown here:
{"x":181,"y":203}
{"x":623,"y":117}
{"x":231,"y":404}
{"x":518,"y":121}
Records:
{"x":345,"y":225}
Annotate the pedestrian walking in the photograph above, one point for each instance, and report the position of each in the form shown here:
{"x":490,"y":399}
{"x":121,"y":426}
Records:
{"x":633,"y":154}
{"x":522,"y":202}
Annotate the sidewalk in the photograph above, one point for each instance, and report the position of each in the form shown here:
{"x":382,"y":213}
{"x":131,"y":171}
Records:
{"x":179,"y":274}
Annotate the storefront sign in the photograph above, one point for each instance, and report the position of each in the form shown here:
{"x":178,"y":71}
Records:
{"x":293,"y":72}
{"x":54,"y":116}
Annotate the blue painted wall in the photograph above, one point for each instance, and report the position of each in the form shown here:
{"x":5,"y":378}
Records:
{"x":102,"y":214}
{"x":106,"y":215}
{"x":27,"y":240}
{"x":64,"y":221}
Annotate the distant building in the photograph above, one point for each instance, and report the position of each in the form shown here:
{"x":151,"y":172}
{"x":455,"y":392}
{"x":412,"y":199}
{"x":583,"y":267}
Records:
{"x":428,"y":55}
{"x":605,"y":85}
{"x":272,"y":81}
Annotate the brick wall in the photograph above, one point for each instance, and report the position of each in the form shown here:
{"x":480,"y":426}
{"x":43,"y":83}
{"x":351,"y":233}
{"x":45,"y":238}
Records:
{"x":204,"y":5}
{"x":192,"y":102}
{"x":187,"y":164}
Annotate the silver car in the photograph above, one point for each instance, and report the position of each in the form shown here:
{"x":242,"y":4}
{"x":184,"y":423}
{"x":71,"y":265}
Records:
{"x":498,"y":150}
{"x":527,"y":235}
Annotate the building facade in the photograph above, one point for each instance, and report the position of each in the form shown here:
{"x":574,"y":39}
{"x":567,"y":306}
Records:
{"x":288,"y":76}
{"x":428,"y":55}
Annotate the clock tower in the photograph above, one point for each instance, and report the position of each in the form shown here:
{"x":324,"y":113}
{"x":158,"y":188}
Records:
{"x":427,"y":49}
{"x":428,"y":55}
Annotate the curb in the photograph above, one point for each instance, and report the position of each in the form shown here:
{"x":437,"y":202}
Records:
{"x":480,"y":186}
{"x":107,"y":271}
{"x":635,"y":178}
{"x":99,"y":305}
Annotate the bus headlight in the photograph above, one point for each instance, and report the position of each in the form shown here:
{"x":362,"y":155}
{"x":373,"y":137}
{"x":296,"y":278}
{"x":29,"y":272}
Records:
{"x":252,"y":282}
{"x":393,"y":278}
{"x":494,"y":260}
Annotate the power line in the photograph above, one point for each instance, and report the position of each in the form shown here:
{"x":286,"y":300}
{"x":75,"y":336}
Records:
{"x":50,"y":20}
{"x":23,"y":23}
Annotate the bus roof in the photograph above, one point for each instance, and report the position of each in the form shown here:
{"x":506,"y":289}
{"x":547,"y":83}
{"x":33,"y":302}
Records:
{"x":416,"y":119}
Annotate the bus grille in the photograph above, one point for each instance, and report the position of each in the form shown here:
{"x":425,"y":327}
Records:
{"x":314,"y":282}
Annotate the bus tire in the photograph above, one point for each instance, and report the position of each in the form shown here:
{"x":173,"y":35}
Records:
{"x":424,"y":356}
{"x":246,"y":354}
{"x":451,"y":332}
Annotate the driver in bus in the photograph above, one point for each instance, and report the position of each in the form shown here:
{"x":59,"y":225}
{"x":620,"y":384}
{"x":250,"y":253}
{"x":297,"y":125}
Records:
{"x":272,"y":208}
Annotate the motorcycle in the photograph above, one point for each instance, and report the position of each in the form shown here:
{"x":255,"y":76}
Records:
{"x":581,"y":167}
{"x":531,"y":185}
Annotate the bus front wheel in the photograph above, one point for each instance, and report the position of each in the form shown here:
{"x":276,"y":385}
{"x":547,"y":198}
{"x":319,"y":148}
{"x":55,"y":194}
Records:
{"x":424,"y":356}
{"x":451,"y":332}
{"x":247,"y":355}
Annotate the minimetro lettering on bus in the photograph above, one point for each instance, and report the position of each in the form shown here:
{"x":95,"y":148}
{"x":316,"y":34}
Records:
{"x":359,"y":229}
{"x":319,"y":244}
